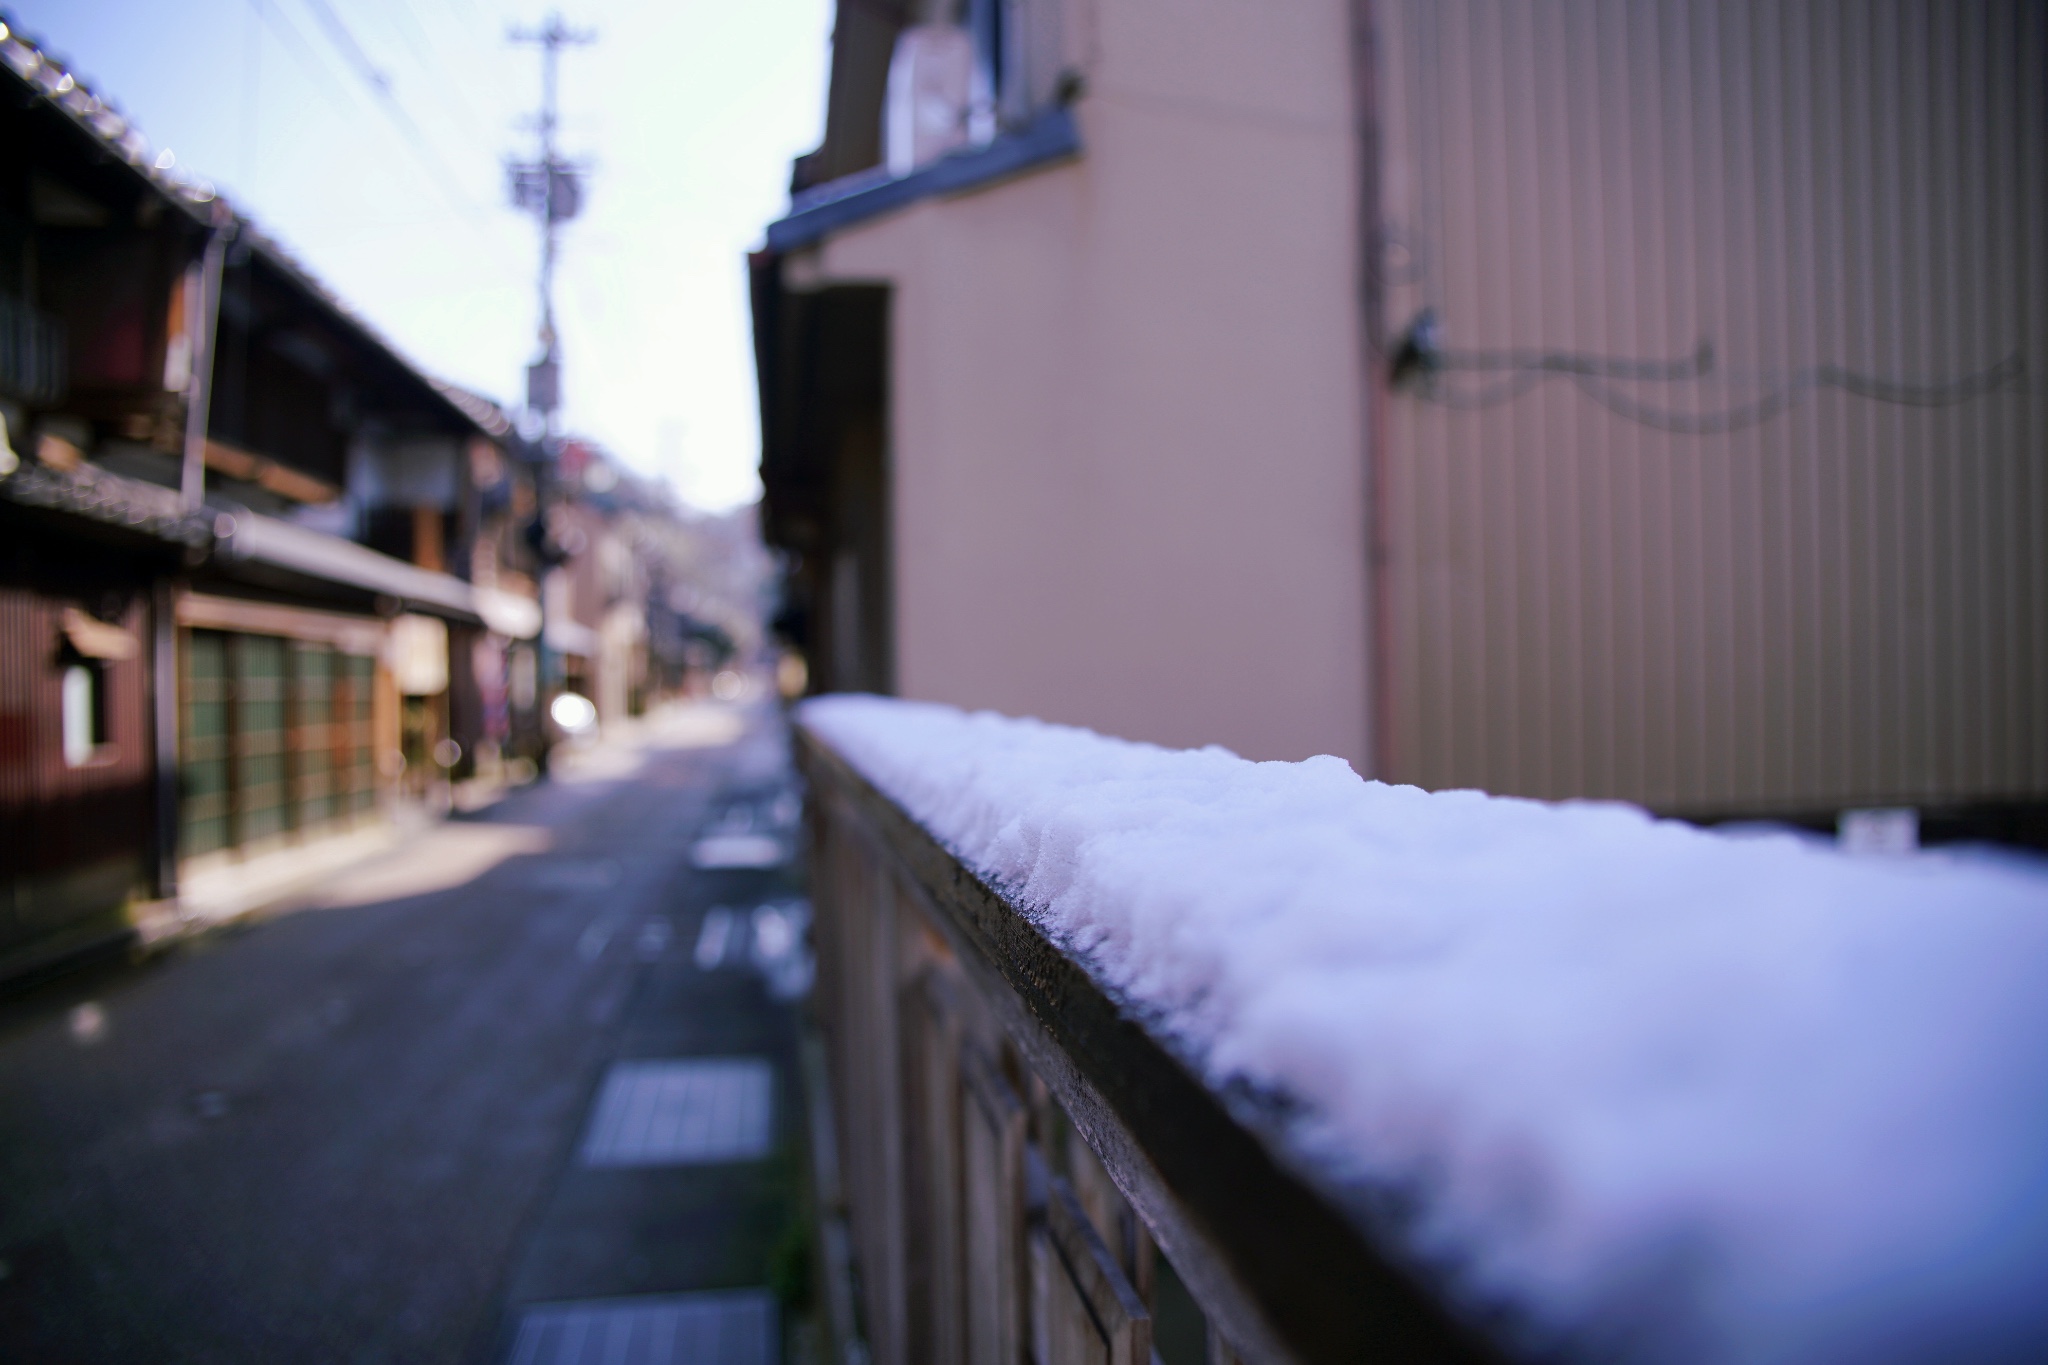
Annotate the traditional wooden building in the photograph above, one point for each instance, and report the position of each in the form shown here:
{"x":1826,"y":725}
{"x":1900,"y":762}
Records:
{"x":236,"y":537}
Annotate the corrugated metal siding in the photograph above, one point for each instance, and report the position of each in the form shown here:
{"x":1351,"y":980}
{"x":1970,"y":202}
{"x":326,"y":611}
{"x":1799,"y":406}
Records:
{"x":1842,"y":601}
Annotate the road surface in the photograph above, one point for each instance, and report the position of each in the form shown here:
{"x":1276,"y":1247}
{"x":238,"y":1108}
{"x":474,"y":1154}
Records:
{"x":364,"y":1126}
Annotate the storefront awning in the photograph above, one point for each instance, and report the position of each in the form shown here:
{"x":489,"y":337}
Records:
{"x":249,"y":538}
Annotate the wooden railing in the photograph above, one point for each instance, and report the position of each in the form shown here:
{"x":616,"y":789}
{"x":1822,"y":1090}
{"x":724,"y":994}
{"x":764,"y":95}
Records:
{"x":1023,"y":1174}
{"x":32,"y":354}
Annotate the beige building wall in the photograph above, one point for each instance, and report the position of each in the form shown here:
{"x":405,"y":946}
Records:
{"x":1125,"y":427}
{"x":1746,"y":589}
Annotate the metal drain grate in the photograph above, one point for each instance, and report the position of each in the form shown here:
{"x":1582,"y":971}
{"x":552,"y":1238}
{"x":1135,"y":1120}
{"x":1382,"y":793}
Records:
{"x":672,"y":1113}
{"x":671,"y":1329}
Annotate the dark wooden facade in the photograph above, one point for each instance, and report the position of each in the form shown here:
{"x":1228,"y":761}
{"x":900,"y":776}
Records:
{"x":170,"y":689}
{"x":79,"y":829}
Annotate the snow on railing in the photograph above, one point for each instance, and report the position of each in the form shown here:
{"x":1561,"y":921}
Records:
{"x":1635,"y":1089}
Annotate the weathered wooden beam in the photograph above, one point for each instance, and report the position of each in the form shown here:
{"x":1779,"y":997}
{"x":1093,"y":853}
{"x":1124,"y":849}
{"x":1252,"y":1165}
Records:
{"x":1271,"y":1255}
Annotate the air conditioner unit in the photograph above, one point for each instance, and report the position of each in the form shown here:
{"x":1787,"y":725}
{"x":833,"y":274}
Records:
{"x":926,"y":112}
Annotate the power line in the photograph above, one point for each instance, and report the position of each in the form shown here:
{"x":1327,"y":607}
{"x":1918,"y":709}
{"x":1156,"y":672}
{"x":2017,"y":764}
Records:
{"x":1421,"y":363}
{"x":345,"y":43}
{"x":412,"y":34}
{"x":302,"y":52}
{"x":438,"y":170}
{"x":447,"y":87}
{"x":1988,"y":380}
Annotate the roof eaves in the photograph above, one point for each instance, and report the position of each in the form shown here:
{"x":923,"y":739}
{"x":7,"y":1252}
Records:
{"x":46,"y":77}
{"x":818,"y":212}
{"x":485,"y":412}
{"x":280,"y":258}
{"x":315,"y":554}
{"x":111,"y":500}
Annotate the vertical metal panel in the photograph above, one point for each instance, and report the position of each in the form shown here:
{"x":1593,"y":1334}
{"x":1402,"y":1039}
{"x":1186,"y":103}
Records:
{"x":1773,"y":584}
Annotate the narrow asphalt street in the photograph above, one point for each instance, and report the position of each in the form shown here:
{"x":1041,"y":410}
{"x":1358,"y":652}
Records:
{"x":385,"y":1121}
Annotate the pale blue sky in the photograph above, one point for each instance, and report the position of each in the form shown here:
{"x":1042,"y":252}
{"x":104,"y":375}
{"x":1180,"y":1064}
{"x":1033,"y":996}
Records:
{"x":690,"y":111}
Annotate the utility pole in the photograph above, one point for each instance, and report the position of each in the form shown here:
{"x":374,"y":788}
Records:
{"x":551,"y":189}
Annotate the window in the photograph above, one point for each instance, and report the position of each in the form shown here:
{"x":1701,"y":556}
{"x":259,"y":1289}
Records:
{"x":85,"y":712}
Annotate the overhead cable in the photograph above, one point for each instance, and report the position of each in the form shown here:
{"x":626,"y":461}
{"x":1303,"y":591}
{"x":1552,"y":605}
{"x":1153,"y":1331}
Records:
{"x":301,"y":51}
{"x":344,"y":42}
{"x":1421,"y":363}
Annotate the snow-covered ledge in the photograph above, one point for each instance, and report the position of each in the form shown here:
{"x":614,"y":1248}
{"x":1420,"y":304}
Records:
{"x":1595,"y":1085}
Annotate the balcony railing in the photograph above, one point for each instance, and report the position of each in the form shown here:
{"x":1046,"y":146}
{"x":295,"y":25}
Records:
{"x":1135,"y":1051}
{"x":32,"y":364}
{"x":1016,"y":1152}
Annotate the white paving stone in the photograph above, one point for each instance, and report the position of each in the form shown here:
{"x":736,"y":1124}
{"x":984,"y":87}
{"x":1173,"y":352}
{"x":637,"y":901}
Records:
{"x":735,"y":1328}
{"x":682,"y":1112}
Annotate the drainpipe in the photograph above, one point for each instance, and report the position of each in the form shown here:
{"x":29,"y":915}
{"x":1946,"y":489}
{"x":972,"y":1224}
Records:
{"x":203,"y":326}
{"x":1367,"y":133}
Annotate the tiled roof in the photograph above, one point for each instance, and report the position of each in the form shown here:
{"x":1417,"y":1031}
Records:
{"x":47,"y":76}
{"x":110,"y":499}
{"x":98,"y":116}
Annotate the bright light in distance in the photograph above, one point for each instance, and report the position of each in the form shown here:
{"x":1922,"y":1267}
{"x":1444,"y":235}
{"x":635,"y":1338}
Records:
{"x":573,"y":713}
